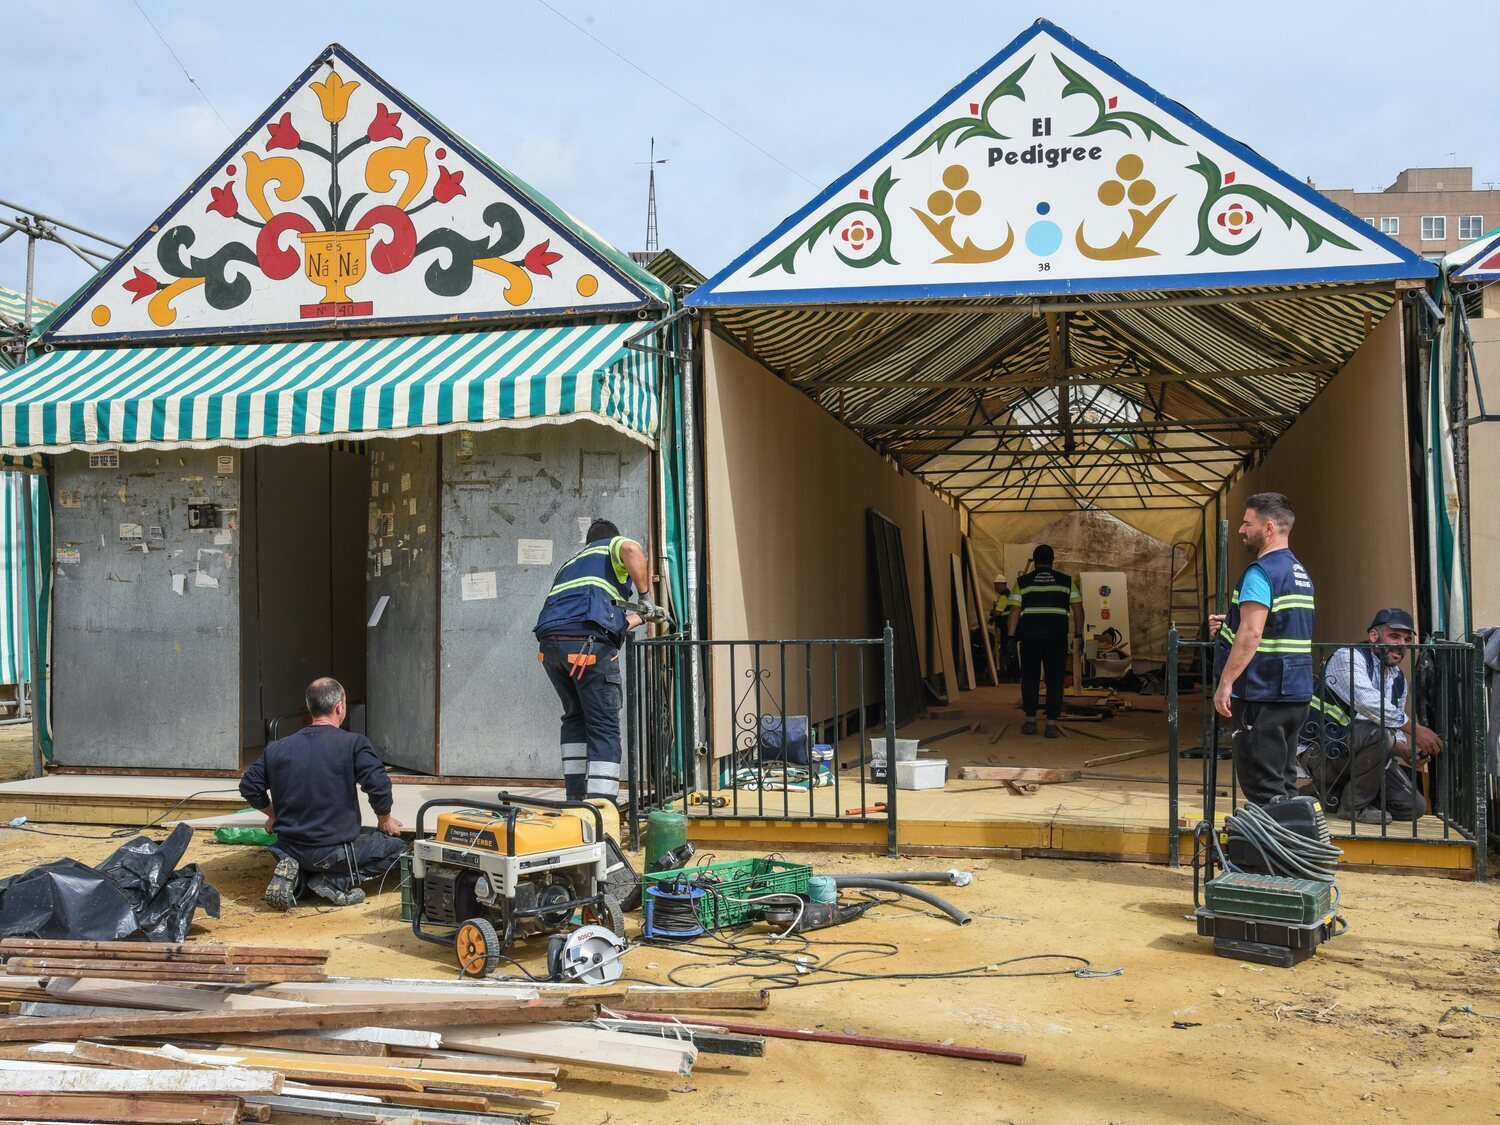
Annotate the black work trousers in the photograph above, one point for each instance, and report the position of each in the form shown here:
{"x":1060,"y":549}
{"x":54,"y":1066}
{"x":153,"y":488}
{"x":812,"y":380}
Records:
{"x":1265,"y":747}
{"x":368,"y":856}
{"x":1367,"y":772}
{"x":1045,"y":655}
{"x":591,"y":695}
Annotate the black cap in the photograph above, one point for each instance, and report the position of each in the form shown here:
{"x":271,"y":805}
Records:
{"x":1395,"y":618}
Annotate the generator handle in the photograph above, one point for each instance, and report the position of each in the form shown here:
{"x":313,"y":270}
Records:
{"x":541,"y":802}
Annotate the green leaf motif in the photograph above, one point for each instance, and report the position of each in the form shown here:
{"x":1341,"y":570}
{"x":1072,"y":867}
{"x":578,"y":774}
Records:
{"x":1108,"y":120}
{"x":967,"y":128}
{"x":825,"y":225}
{"x":1213,"y":178}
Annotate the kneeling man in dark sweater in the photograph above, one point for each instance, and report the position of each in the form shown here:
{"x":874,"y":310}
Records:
{"x":305,"y":784}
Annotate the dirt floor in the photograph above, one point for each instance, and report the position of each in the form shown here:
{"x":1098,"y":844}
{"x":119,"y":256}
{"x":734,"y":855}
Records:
{"x":1358,"y":1033}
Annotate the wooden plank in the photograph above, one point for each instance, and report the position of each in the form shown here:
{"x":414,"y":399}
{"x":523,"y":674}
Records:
{"x":580,"y":1046}
{"x":698,"y":999}
{"x":1129,"y":755}
{"x":166,"y":951}
{"x":125,"y":1058}
{"x":966,"y":666}
{"x":294,"y":1109}
{"x":92,"y":1080}
{"x":157,"y":995}
{"x":343,"y":990}
{"x":1018,"y":773}
{"x":298,"y":1067}
{"x":290,"y":1041}
{"x":137,"y":1110}
{"x":980,"y":610}
{"x":708,"y":1042}
{"x":161,"y":970}
{"x":476,"y":1064}
{"x":307,"y":1017}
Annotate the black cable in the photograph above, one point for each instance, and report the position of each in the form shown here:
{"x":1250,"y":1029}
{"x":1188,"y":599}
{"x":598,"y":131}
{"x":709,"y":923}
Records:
{"x":118,"y":833}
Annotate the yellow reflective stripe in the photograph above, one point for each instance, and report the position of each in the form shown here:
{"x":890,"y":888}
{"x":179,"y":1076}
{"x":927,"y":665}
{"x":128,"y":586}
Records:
{"x":1047,"y":589}
{"x":1015,"y":599}
{"x":1284,"y":645}
{"x":615,"y":545}
{"x":1226,"y":633}
{"x":1292,"y":601}
{"x":1042,"y":609}
{"x":587,"y":580}
{"x":1332,"y":710}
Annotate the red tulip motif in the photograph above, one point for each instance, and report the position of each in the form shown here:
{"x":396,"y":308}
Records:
{"x":283,"y":133}
{"x":384,"y":127}
{"x":224,"y":201}
{"x":142,"y":285}
{"x":539,"y":258}
{"x":449,"y":184}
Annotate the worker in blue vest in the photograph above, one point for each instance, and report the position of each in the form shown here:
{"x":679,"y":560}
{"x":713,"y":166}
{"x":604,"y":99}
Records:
{"x":1043,"y":603}
{"x":580,"y":631}
{"x":1263,"y":653}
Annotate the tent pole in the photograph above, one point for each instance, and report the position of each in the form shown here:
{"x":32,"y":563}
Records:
{"x":696,"y":739}
{"x":29,"y":566}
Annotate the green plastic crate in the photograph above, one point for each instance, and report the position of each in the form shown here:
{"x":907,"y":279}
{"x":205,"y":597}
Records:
{"x":730,"y":884}
{"x":1277,"y":898}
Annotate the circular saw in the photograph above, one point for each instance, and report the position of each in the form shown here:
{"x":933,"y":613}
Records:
{"x":588,"y":955}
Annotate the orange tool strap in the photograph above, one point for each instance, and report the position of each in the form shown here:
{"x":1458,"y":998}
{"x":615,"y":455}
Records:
{"x":573,"y":658}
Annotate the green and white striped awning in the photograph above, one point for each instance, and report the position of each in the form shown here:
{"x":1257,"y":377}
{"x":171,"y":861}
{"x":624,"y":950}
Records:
{"x":13,"y":307}
{"x":277,"y":393}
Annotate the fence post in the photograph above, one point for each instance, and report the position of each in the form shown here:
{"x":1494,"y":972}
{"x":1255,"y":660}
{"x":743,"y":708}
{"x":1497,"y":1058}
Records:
{"x":890,"y":739}
{"x":1481,"y":774}
{"x":1172,"y":844}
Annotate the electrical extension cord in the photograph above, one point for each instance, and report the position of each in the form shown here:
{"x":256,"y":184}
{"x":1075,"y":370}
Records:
{"x":1284,"y":851}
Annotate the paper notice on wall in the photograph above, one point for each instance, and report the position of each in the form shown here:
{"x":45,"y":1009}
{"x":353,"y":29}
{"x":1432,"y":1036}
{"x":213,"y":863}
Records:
{"x":224,"y":465}
{"x":405,"y":482}
{"x":108,"y":459}
{"x":478,"y":587}
{"x":66,"y":499}
{"x":534,"y":552}
{"x":385,"y":557}
{"x":205,"y":580}
{"x":379,"y":611}
{"x":583,"y":528}
{"x":131,"y":533}
{"x":68,"y":556}
{"x":179,"y":584}
{"x":223,"y":538}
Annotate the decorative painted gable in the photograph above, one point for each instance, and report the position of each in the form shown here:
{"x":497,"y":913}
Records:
{"x":347,"y":204}
{"x":1051,"y":170}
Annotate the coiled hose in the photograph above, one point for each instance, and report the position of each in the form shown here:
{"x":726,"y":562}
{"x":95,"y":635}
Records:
{"x":1284,"y":851}
{"x":877,"y":884}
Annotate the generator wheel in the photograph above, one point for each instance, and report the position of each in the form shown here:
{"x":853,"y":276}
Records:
{"x":607,"y":914}
{"x":477,"y":946}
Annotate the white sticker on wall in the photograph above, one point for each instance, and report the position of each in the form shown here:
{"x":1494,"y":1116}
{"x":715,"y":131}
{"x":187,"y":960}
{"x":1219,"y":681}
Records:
{"x":224,"y":465}
{"x":534,"y":552}
{"x":68,"y":556}
{"x":223,"y":538}
{"x":583,"y":528}
{"x":405,"y":482}
{"x":179,"y":585}
{"x":131,"y":533}
{"x":106,"y":459}
{"x":66,"y":499}
{"x":478,"y":587}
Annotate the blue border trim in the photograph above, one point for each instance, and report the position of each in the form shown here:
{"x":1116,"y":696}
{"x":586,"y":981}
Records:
{"x":1469,"y":271}
{"x":483,"y":165}
{"x":707,"y":296}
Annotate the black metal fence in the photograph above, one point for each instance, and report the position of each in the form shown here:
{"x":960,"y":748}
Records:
{"x":768,"y":705}
{"x":1353,"y":753}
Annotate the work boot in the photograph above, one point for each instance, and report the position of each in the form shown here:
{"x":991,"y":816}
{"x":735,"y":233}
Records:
{"x":1029,"y":726}
{"x":1051,"y":731}
{"x":321,"y":886}
{"x":281,"y":891}
{"x":1372,"y":814}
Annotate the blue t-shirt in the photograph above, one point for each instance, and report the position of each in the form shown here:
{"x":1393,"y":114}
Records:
{"x":1255,"y":586}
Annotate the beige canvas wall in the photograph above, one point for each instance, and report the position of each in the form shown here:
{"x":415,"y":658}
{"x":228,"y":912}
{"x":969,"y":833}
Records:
{"x":1344,"y":466}
{"x":1484,"y":478}
{"x":786,"y":488}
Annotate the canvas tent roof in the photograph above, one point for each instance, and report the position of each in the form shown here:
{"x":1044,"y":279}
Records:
{"x":1057,"y":288}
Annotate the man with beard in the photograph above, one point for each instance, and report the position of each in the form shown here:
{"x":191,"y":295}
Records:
{"x":1358,"y":729}
{"x":1263,"y":655}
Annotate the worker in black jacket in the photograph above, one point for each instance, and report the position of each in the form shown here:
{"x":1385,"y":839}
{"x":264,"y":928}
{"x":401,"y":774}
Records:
{"x":1043,"y":602}
{"x":305,"y":784}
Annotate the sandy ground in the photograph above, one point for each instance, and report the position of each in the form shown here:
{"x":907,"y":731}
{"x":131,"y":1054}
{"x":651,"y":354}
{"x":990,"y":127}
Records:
{"x":1355,"y":1034}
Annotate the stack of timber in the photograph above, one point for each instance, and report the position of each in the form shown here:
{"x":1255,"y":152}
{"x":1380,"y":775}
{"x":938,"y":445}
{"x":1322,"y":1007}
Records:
{"x":86,"y":1040}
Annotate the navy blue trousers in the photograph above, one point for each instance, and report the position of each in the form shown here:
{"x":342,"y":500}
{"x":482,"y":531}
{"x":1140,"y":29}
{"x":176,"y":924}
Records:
{"x":590,"y":729}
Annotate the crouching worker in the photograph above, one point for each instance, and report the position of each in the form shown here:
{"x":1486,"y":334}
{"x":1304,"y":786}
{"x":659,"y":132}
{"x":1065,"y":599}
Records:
{"x":305,"y":784}
{"x":1361,"y":747}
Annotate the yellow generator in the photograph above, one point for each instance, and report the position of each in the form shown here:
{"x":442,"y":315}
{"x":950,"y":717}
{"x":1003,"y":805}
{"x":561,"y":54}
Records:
{"x":517,"y":868}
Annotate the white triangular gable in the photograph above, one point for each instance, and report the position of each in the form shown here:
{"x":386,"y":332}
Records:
{"x":346,"y":203}
{"x":1051,"y":170}
{"x":1480,"y":261}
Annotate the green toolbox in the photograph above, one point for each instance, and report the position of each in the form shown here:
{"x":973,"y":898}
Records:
{"x":1274,"y":898}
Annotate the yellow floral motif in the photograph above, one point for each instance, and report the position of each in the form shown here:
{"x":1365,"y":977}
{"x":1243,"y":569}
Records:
{"x":410,"y":161}
{"x":940,"y":222}
{"x":160,"y":306}
{"x":518,"y":281}
{"x":1113,"y":193}
{"x":333,"y":95}
{"x":283,"y":171}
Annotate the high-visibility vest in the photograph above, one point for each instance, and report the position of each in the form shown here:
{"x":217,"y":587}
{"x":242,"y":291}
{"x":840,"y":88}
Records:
{"x":1045,"y":597}
{"x":581,"y":600}
{"x":1281,"y":671}
{"x":1330,"y":715}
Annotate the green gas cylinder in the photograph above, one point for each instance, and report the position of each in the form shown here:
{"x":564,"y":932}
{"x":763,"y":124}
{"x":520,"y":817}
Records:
{"x":666,"y":831}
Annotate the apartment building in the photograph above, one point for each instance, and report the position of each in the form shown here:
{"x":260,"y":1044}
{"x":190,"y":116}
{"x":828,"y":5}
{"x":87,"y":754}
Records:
{"x":1430,"y":210}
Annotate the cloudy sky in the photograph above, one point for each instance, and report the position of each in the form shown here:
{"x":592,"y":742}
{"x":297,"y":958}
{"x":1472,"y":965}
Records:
{"x":755,"y":105}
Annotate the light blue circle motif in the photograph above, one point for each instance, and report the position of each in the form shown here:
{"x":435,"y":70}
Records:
{"x":1043,"y":238}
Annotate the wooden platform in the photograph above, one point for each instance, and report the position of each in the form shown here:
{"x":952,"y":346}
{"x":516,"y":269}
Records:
{"x":1117,"y":811}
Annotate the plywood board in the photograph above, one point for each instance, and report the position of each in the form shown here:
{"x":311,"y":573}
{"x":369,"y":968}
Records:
{"x":961,"y":642}
{"x":938,"y":581}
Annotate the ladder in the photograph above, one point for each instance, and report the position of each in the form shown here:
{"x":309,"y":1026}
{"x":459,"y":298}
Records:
{"x":1185,"y":594}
